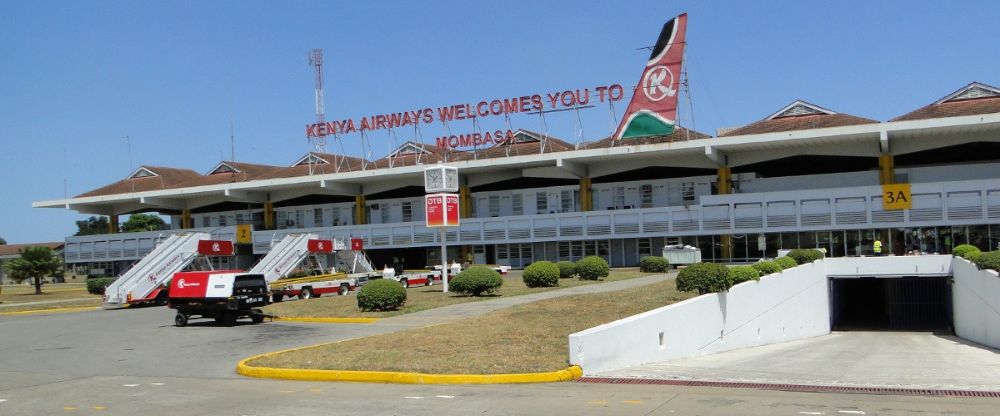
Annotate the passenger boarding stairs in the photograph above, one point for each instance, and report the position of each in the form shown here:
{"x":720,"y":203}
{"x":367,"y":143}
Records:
{"x":283,"y":256}
{"x":155,"y":269}
{"x":356,"y":261}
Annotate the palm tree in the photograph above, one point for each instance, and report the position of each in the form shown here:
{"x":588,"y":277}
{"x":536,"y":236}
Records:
{"x":35,"y":262}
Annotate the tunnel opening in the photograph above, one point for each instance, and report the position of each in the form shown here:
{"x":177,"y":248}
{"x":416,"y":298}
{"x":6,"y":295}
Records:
{"x":910,"y":303}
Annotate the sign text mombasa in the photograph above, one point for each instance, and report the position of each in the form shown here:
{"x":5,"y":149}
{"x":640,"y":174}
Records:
{"x":486,"y":108}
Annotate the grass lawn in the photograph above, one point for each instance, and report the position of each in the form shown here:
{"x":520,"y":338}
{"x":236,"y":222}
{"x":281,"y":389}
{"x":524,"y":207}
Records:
{"x":23,"y":293}
{"x":525,"y":338}
{"x":423,"y":298}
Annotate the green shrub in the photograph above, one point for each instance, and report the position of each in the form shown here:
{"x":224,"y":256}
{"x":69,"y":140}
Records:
{"x":703,"y":278}
{"x":96,"y":285}
{"x":786,"y":262}
{"x":381,"y":295}
{"x":962,"y":250}
{"x":566,"y":269}
{"x":805,"y":255}
{"x":653,"y":264}
{"x":767,"y":267}
{"x":740,"y":274}
{"x":592,"y":268}
{"x":541,"y":274}
{"x":973,"y":256}
{"x":477,"y":281}
{"x":989,"y":260}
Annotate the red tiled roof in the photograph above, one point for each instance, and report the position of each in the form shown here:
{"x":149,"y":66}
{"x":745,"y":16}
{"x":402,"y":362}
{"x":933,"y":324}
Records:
{"x":802,"y":122}
{"x":969,"y":107}
{"x":12,"y":249}
{"x":680,"y":134}
{"x":165,"y":178}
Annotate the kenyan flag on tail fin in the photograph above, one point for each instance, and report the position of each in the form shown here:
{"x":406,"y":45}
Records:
{"x":653,"y":109}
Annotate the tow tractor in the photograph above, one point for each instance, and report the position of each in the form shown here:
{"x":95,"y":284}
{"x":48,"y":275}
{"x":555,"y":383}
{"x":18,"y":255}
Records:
{"x":224,"y":295}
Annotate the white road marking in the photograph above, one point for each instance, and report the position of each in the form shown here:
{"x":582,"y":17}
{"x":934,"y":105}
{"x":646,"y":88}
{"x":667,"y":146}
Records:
{"x":812,"y":413}
{"x":851,"y":412}
{"x":2,"y":400}
{"x":447,"y":397}
{"x":413,"y":397}
{"x":130,"y":385}
{"x":158,"y":384}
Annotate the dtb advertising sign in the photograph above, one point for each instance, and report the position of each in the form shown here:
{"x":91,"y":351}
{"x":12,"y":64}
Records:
{"x":441,"y":210}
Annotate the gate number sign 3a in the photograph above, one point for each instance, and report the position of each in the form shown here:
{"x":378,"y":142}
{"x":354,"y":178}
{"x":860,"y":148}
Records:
{"x":896,"y":197}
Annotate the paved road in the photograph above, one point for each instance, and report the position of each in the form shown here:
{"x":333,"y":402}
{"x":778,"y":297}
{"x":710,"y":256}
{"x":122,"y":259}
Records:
{"x":862,"y":359}
{"x":134,"y":361}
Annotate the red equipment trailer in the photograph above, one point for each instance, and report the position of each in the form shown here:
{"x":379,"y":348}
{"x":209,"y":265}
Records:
{"x":224,"y":295}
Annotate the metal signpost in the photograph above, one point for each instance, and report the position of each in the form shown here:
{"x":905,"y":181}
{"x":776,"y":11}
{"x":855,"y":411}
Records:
{"x":441,"y":207}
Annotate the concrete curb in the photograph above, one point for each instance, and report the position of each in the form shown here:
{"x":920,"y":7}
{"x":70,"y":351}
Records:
{"x":244,"y":368}
{"x":53,"y":310}
{"x":328,"y":320}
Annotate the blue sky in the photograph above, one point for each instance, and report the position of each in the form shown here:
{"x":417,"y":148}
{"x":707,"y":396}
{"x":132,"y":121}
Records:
{"x":75,"y":77}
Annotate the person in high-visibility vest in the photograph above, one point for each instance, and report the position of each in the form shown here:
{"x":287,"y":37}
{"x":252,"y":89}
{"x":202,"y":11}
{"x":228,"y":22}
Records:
{"x":877,"y":247}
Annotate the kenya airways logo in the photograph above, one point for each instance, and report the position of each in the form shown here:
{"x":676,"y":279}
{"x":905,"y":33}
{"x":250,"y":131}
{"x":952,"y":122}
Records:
{"x":658,"y":82}
{"x":216,"y":247}
{"x":181,"y":284}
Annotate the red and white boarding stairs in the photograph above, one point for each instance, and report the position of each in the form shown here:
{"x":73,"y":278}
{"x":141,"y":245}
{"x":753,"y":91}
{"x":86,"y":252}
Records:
{"x":144,"y":281}
{"x":289,"y":252}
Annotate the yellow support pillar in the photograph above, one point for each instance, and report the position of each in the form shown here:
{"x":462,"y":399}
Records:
{"x":886,"y":170}
{"x":725,"y":187}
{"x":359,"y":210}
{"x":268,"y":215}
{"x":112,"y":224}
{"x":186,"y":219}
{"x":464,"y":202}
{"x":586,"y":197}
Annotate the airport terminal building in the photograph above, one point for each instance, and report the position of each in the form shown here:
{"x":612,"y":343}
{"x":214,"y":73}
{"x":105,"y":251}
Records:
{"x":804,"y":176}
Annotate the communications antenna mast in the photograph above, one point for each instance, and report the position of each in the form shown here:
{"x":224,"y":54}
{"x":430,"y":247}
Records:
{"x":316,"y":61}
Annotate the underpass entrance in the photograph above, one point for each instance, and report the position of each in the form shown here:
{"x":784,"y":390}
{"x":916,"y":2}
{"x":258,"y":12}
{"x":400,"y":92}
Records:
{"x":908,"y":303}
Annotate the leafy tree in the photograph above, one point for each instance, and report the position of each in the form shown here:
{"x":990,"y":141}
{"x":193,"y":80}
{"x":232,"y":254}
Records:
{"x":2,"y":241}
{"x":143,"y":222}
{"x":92,"y":225}
{"x":35,"y":262}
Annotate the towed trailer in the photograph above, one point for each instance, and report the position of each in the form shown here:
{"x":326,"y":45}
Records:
{"x":315,"y":286}
{"x":224,"y":296}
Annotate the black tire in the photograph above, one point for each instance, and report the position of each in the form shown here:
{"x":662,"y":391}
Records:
{"x":162,"y":298}
{"x":429,"y":281}
{"x":229,"y":318}
{"x":277,"y":297}
{"x":344,"y":289}
{"x":306,"y":293}
{"x":405,"y":283}
{"x":219,"y":319}
{"x":256,"y":316}
{"x":180,"y":320}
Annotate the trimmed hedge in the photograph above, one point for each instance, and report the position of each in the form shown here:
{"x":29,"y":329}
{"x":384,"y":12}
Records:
{"x":97,"y":285}
{"x":962,"y":250}
{"x":653,"y":264}
{"x":566,"y":269}
{"x":767,"y":267}
{"x":989,"y":260}
{"x":477,"y":281}
{"x":740,"y":274}
{"x":703,"y":278}
{"x":786,"y":262}
{"x":381,"y":295}
{"x":973,"y":256}
{"x":592,"y":268}
{"x":541,"y":274}
{"x":805,"y":255}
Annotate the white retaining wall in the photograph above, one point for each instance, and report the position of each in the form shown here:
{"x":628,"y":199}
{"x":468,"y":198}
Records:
{"x":976,"y":303}
{"x":790,"y":305}
{"x":889,"y":266}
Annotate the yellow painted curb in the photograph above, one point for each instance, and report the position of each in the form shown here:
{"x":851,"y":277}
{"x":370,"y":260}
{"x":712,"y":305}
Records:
{"x":328,"y":320}
{"x":53,"y":310}
{"x":570,"y":373}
